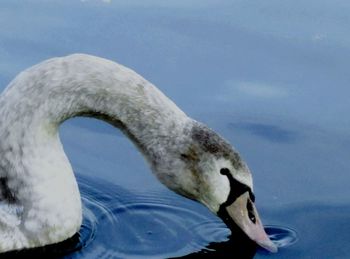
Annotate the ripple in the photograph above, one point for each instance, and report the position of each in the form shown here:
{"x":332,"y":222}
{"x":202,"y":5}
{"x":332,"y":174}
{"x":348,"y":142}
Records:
{"x":159,"y":224}
{"x":158,"y":230}
{"x":210,"y":231}
{"x":281,"y":236}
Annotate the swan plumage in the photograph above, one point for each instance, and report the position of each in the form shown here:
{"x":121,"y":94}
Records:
{"x":39,"y":198}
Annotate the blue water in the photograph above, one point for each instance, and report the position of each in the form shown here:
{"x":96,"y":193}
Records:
{"x":122,"y":224}
{"x":270,"y":76}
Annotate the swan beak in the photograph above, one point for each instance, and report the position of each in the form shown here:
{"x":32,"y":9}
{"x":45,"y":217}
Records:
{"x":243,"y":212}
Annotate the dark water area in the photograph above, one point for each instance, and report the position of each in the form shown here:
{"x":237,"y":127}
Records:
{"x":269,"y":76}
{"x":121,"y":224}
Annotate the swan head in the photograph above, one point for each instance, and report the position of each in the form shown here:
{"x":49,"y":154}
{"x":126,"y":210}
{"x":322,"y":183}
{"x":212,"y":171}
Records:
{"x":209,"y":170}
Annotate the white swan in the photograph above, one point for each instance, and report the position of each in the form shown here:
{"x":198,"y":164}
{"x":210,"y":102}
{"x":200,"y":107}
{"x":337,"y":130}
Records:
{"x":39,"y":199}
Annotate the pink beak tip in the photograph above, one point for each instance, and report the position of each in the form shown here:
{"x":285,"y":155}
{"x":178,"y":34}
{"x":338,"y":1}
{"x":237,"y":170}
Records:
{"x":268,"y":245}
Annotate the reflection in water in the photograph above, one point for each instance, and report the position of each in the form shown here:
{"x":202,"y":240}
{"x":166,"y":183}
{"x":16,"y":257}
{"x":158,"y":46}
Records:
{"x":238,"y":245}
{"x":120,"y":224}
{"x":304,"y":54}
{"x":51,"y":251}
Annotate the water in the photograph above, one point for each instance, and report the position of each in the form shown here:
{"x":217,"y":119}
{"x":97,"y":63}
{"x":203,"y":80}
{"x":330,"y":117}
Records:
{"x":121,"y":224}
{"x":136,"y":225}
{"x":271,"y":77}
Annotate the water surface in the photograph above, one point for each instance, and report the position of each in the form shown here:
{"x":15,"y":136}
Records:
{"x":270,"y":76}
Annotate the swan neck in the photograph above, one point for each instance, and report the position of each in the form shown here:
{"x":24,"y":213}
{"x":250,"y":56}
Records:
{"x":81,"y":85}
{"x":33,"y":165}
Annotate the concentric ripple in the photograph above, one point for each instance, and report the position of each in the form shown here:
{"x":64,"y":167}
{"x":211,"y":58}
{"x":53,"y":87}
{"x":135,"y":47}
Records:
{"x":157,"y":224}
{"x":135,"y":225}
{"x":281,"y":236}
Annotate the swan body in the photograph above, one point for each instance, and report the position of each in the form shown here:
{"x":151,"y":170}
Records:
{"x":39,"y":198}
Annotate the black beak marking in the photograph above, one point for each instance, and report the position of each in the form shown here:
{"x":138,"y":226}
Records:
{"x":250,"y":209}
{"x":236,"y":189}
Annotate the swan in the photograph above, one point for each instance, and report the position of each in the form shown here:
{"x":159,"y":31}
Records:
{"x":40,"y":202}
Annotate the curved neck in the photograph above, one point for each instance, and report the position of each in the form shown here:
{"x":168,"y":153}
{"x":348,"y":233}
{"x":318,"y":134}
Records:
{"x":81,"y":85}
{"x":33,"y":165}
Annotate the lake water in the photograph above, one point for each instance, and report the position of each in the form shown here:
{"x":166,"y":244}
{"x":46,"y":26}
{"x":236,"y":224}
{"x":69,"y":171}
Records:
{"x":271,"y":77}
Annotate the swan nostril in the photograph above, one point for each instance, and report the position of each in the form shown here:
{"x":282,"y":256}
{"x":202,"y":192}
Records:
{"x":250,"y":209}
